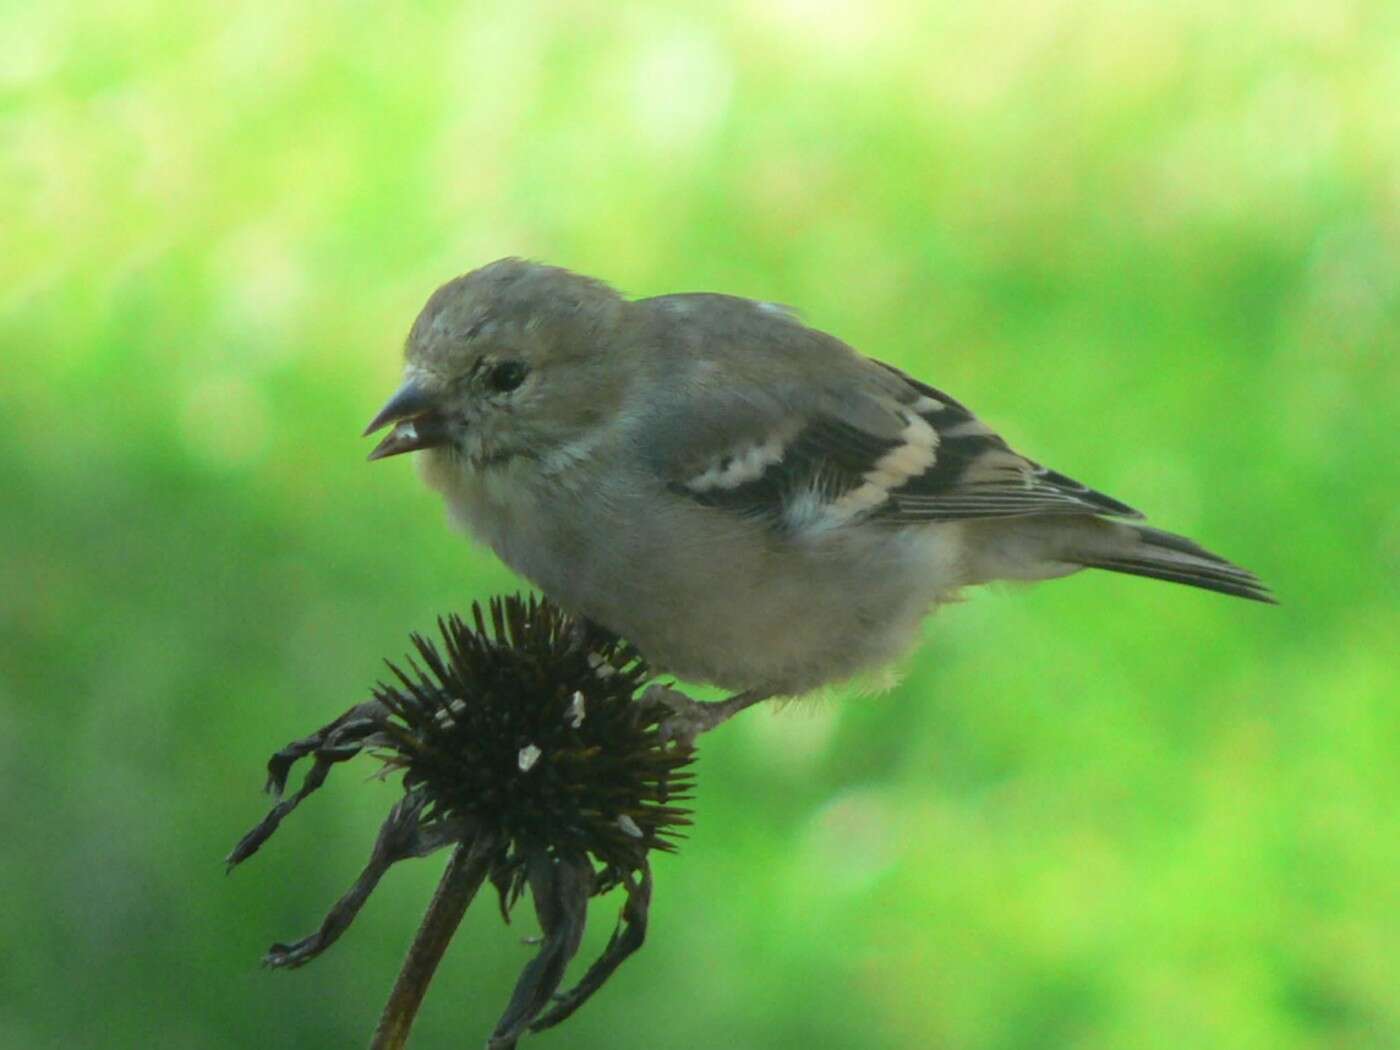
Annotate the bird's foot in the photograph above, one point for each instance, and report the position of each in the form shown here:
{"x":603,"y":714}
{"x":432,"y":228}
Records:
{"x":689,"y":718}
{"x":587,"y":636}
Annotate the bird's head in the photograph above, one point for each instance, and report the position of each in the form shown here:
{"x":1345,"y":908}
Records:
{"x":512,"y":359}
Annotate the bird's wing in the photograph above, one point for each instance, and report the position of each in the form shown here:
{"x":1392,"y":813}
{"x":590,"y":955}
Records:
{"x":882,"y":447}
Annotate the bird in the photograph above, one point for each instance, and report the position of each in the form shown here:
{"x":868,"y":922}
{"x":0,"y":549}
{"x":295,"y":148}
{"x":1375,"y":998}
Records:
{"x":749,"y":501}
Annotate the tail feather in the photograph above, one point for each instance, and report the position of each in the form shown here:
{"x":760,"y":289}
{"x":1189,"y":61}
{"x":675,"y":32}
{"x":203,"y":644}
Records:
{"x":1141,"y":551}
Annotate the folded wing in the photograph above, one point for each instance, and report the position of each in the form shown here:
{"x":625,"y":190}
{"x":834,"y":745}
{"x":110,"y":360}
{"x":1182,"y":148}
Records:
{"x":898,"y":451}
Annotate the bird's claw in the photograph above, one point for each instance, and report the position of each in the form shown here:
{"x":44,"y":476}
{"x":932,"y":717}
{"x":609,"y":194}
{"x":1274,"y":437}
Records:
{"x":687,"y":720}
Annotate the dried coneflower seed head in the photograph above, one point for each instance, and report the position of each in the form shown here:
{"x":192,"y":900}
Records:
{"x":523,"y":743}
{"x":537,"y":738}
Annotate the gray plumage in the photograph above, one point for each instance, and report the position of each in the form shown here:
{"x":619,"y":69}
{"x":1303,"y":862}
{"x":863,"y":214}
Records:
{"x":747,"y":499}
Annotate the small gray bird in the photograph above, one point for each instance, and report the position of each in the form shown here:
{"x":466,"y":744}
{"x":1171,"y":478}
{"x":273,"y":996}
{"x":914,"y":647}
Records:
{"x":747,"y":500}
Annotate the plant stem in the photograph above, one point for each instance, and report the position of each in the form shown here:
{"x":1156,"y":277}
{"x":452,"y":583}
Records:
{"x":458,"y":886}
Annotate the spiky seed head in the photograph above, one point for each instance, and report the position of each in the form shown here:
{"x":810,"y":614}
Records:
{"x":537,"y":739}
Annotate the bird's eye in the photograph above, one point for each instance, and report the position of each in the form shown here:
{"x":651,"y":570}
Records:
{"x":506,"y":375}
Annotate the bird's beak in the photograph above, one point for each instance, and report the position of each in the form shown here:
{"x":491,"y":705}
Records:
{"x":418,"y":423}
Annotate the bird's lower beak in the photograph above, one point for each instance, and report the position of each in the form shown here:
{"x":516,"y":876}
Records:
{"x":418,"y":423}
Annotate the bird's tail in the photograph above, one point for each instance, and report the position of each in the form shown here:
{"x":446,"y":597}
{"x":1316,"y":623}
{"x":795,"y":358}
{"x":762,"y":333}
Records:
{"x":1142,"y":551}
{"x":1041,"y":547}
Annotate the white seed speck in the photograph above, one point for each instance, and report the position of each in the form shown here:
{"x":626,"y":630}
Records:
{"x":576,"y":709}
{"x":629,"y":826}
{"x":529,"y":755}
{"x":447,"y":716}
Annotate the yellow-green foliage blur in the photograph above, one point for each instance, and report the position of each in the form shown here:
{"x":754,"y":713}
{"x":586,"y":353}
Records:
{"x":1158,"y":245}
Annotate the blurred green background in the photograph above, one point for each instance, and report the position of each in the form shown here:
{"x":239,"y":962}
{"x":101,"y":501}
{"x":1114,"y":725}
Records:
{"x":1157,"y":244}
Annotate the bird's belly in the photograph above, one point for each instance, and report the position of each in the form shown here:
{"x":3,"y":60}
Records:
{"x":784,"y":622}
{"x":717,"y":599}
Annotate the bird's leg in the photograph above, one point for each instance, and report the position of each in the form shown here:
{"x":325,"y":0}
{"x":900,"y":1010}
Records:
{"x":689,"y":718}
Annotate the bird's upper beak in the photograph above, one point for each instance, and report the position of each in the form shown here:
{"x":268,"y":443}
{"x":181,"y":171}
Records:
{"x":418,"y":422}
